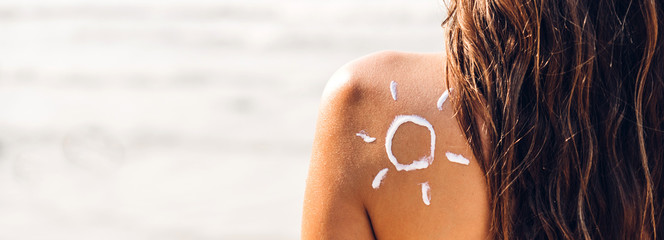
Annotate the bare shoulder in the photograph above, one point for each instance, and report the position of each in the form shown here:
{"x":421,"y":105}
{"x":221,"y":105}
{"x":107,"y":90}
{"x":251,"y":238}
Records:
{"x":372,"y":71}
{"x":380,"y":164}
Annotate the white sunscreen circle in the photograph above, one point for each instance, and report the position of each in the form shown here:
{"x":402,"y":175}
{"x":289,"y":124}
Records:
{"x":424,"y":162}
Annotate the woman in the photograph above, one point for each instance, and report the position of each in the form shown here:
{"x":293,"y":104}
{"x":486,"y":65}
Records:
{"x":553,"y":129}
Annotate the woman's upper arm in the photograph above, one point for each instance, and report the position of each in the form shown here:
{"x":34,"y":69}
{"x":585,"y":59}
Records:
{"x":333,"y":208}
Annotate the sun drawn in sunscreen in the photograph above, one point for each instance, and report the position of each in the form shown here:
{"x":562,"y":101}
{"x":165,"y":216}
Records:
{"x":423,"y":162}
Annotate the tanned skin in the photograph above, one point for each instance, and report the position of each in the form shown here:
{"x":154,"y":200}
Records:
{"x":340,"y":202}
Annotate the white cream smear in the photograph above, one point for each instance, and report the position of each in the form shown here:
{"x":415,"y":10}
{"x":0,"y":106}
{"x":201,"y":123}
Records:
{"x":457,"y":158}
{"x":365,"y":137}
{"x":442,"y":99}
{"x":379,"y":178}
{"x":423,"y":162}
{"x":393,"y":90}
{"x":426,"y":193}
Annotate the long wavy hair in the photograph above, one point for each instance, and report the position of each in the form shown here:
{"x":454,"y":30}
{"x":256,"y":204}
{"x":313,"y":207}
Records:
{"x":562,"y":102}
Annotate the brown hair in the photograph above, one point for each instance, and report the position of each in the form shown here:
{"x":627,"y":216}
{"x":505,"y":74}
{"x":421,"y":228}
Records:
{"x":571,"y":96}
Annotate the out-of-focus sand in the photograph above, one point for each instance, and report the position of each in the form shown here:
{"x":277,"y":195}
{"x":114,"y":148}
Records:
{"x":174,"y":119}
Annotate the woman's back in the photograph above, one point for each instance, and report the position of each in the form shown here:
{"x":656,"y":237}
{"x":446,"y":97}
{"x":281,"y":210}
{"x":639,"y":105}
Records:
{"x":559,"y":105}
{"x":355,"y":183}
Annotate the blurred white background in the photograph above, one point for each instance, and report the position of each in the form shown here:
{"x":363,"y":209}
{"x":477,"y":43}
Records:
{"x":166,"y":119}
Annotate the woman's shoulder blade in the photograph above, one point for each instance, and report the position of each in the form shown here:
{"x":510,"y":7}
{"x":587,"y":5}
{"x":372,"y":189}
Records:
{"x":379,"y":116}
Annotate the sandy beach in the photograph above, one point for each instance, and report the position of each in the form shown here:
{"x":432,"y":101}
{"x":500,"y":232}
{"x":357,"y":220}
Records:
{"x":175,"y":119}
